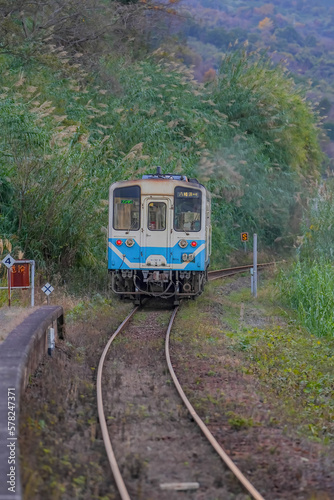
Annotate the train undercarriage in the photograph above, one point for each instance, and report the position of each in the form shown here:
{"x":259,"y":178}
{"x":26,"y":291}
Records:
{"x":166,"y":284}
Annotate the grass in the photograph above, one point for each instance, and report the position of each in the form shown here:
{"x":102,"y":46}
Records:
{"x":307,"y":286}
{"x":292,"y":368}
{"x":238,"y":422}
{"x":308,"y":289}
{"x":298,"y":369}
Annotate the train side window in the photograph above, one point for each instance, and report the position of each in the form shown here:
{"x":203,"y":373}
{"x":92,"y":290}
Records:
{"x":127,"y":208}
{"x":156,"y":217}
{"x":187,"y":209}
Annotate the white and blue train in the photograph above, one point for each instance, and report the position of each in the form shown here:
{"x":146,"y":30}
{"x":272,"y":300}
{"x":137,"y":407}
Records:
{"x":159,"y":240}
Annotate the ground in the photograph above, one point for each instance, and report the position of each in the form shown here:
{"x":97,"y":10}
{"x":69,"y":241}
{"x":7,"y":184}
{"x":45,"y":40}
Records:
{"x":230,"y":352}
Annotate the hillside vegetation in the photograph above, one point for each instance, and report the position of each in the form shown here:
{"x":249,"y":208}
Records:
{"x":300,"y":33}
{"x":81,"y":108}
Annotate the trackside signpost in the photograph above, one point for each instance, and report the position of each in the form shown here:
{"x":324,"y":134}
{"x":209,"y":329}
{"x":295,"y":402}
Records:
{"x":8,"y":261}
{"x":244,"y":239}
{"x":47,"y":289}
{"x":255,"y":265}
{"x":20,"y":274}
{"x":254,"y":268}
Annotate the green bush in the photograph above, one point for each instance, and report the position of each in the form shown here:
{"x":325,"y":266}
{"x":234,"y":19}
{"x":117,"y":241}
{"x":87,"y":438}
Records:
{"x":309,"y":289}
{"x":262,"y":101}
{"x":317,"y":242}
{"x":309,"y":286}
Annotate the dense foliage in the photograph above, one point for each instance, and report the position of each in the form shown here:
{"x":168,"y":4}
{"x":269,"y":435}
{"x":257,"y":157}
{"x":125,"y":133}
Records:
{"x":308,"y":287}
{"x":68,"y":133}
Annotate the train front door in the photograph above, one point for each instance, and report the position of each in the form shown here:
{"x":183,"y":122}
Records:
{"x":156,"y":233}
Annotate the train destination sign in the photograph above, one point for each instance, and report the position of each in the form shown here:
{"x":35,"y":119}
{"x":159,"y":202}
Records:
{"x":187,"y":194}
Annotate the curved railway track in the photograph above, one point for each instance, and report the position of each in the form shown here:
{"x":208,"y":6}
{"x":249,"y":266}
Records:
{"x":105,"y":433}
{"x":106,"y":439}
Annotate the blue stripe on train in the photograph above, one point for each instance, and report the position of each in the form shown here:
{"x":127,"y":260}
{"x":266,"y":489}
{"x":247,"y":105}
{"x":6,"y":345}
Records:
{"x":136,"y":255}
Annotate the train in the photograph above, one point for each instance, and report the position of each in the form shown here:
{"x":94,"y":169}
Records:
{"x":159,"y":237}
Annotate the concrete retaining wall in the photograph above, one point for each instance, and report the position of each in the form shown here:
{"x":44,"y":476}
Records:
{"x":20,"y":355}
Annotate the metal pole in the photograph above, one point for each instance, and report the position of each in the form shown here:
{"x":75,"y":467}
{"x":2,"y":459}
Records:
{"x":255,"y":265}
{"x":252,"y":281}
{"x":9,"y":290}
{"x":32,"y":262}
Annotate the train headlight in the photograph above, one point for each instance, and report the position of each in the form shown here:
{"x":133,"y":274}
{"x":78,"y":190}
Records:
{"x":183,"y":243}
{"x":130,"y":242}
{"x":119,"y":242}
{"x":193,"y":244}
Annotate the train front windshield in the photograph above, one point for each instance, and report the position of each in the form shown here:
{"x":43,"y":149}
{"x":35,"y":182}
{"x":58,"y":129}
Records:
{"x":127,"y":208}
{"x":187,"y":209}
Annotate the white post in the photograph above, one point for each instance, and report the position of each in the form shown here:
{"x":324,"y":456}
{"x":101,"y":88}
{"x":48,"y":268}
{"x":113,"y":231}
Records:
{"x":255,"y":265}
{"x":51,"y":340}
{"x":252,"y":281}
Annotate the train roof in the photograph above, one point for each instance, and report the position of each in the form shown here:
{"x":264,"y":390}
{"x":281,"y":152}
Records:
{"x":158,"y":177}
{"x":160,"y":184}
{"x":174,"y":177}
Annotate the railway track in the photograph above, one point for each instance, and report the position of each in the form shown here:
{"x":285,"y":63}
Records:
{"x":222,"y":273}
{"x":123,"y":491}
{"x":105,"y":433}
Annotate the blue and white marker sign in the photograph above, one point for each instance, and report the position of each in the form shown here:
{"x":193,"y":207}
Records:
{"x":8,"y":261}
{"x":47,"y":289}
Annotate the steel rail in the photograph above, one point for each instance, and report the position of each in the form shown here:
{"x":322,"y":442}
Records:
{"x":230,"y":271}
{"x":248,"y":486}
{"x":105,"y":434}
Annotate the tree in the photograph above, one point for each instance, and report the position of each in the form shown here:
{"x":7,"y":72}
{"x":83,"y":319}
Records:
{"x":209,"y":76}
{"x":89,"y":26}
{"x":266,"y":24}
{"x":267,"y":104}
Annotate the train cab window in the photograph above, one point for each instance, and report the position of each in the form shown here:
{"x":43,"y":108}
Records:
{"x":127,"y":208}
{"x":187,"y":209}
{"x":156,"y":217}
